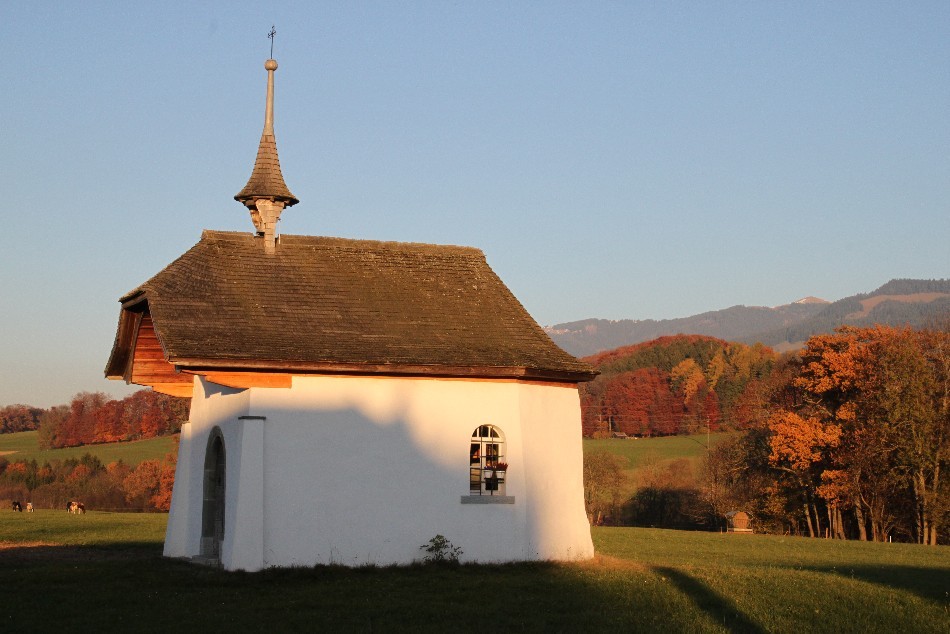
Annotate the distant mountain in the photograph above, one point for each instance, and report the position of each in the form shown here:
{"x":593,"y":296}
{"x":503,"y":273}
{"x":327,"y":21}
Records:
{"x":912,"y":302}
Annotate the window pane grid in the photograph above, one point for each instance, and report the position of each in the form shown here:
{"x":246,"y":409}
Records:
{"x":486,"y":451}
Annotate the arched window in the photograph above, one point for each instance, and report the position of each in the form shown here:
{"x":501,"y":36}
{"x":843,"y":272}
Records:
{"x":487,"y":465}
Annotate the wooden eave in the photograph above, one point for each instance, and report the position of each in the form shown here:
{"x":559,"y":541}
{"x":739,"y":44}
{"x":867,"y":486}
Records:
{"x":246,"y":366}
{"x":140,"y":358}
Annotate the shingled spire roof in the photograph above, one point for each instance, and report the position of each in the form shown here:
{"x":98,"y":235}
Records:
{"x":266,"y":180}
{"x":266,"y":194}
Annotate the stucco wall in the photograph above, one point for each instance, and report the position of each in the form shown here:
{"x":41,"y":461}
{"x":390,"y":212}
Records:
{"x":358,"y":470}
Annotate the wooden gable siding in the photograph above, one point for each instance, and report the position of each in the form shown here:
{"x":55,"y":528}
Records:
{"x":149,"y":366}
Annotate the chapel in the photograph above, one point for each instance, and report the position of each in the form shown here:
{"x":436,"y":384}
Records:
{"x":352,"y":399}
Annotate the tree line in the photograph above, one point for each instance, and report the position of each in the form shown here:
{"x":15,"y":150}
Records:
{"x":115,"y":487}
{"x":16,"y":418}
{"x":860,"y":452}
{"x":675,"y":385}
{"x":847,"y":439}
{"x":94,"y":417}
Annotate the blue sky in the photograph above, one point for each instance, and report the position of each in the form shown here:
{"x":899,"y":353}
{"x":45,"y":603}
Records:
{"x":618,"y":160}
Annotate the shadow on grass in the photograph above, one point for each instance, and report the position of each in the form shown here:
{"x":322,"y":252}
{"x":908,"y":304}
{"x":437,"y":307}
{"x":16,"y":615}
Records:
{"x":34,"y":553}
{"x":135,"y":588}
{"x":927,"y":583}
{"x":716,"y":606}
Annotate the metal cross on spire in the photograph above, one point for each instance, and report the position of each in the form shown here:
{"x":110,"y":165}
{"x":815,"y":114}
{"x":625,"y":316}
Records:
{"x":270,"y":36}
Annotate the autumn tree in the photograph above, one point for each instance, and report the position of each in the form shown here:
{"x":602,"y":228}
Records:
{"x":799,"y":446}
{"x":79,"y":428}
{"x":882,"y":386}
{"x":676,"y":384}
{"x":16,"y":418}
{"x":149,"y":485}
{"x":906,"y":391}
{"x":629,"y":401}
{"x":96,"y":418}
{"x":603,"y":485}
{"x":689,"y":382}
{"x":736,"y":476}
{"x":50,"y":433}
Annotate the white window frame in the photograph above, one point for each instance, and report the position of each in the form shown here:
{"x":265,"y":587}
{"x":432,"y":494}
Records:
{"x":487,"y":448}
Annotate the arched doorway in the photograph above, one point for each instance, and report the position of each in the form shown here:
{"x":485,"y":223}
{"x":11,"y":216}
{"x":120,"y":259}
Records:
{"x":212,"y":513}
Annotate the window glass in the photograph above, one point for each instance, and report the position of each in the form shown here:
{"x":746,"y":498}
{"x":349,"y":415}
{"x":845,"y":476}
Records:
{"x":486,"y":454}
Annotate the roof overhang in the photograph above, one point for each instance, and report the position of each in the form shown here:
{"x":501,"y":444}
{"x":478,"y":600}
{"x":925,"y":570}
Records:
{"x":139,"y":357}
{"x":209,"y":366}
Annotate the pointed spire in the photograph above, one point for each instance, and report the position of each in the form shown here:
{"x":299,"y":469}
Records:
{"x":266,"y":194}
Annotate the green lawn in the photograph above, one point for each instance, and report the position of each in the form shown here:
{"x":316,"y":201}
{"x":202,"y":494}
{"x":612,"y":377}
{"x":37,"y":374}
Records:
{"x":645,"y":455}
{"x":638,"y":450}
{"x":55,"y":527}
{"x":24,"y":447}
{"x":23,"y":441}
{"x":643,"y":580}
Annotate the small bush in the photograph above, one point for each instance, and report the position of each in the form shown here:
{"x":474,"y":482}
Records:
{"x":441,"y":551}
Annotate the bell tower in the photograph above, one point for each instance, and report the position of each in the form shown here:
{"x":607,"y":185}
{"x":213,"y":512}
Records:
{"x":266,"y":194}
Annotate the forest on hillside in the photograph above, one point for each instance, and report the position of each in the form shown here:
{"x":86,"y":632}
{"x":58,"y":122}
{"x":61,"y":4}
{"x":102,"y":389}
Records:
{"x":678,"y":385}
{"x":93,"y":418}
{"x":849,"y":439}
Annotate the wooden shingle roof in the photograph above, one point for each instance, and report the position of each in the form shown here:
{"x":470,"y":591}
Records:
{"x":337,"y":305}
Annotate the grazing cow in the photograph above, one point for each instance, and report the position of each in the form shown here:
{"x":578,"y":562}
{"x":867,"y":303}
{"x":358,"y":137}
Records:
{"x":77,"y":507}
{"x":29,"y":507}
{"x":16,"y":507}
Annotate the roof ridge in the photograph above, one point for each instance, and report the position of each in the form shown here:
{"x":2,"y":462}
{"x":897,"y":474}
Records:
{"x":291,"y":239}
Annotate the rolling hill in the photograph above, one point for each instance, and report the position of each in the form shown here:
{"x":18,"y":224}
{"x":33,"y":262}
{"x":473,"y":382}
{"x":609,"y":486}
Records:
{"x":912,"y":302}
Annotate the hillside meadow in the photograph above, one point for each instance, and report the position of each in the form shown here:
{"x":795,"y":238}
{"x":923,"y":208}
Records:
{"x":643,"y":450}
{"x":642,"y":580}
{"x":24,"y":446}
{"x":645,"y":457}
{"x":640,"y":451}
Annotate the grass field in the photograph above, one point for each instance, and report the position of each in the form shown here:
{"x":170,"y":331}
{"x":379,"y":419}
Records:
{"x":646,"y":454}
{"x":104,"y":571}
{"x":640,"y":450}
{"x":23,"y":446}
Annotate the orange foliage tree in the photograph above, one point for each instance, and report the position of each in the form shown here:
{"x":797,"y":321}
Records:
{"x":96,"y":418}
{"x":677,"y":384}
{"x":886,"y":388}
{"x":149,"y":485}
{"x":799,"y":446}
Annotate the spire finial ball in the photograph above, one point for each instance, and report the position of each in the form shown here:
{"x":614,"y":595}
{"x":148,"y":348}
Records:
{"x":270,"y":64}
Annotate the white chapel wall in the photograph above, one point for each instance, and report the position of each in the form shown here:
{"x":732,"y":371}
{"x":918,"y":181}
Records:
{"x":211,"y":405}
{"x":365,"y":470}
